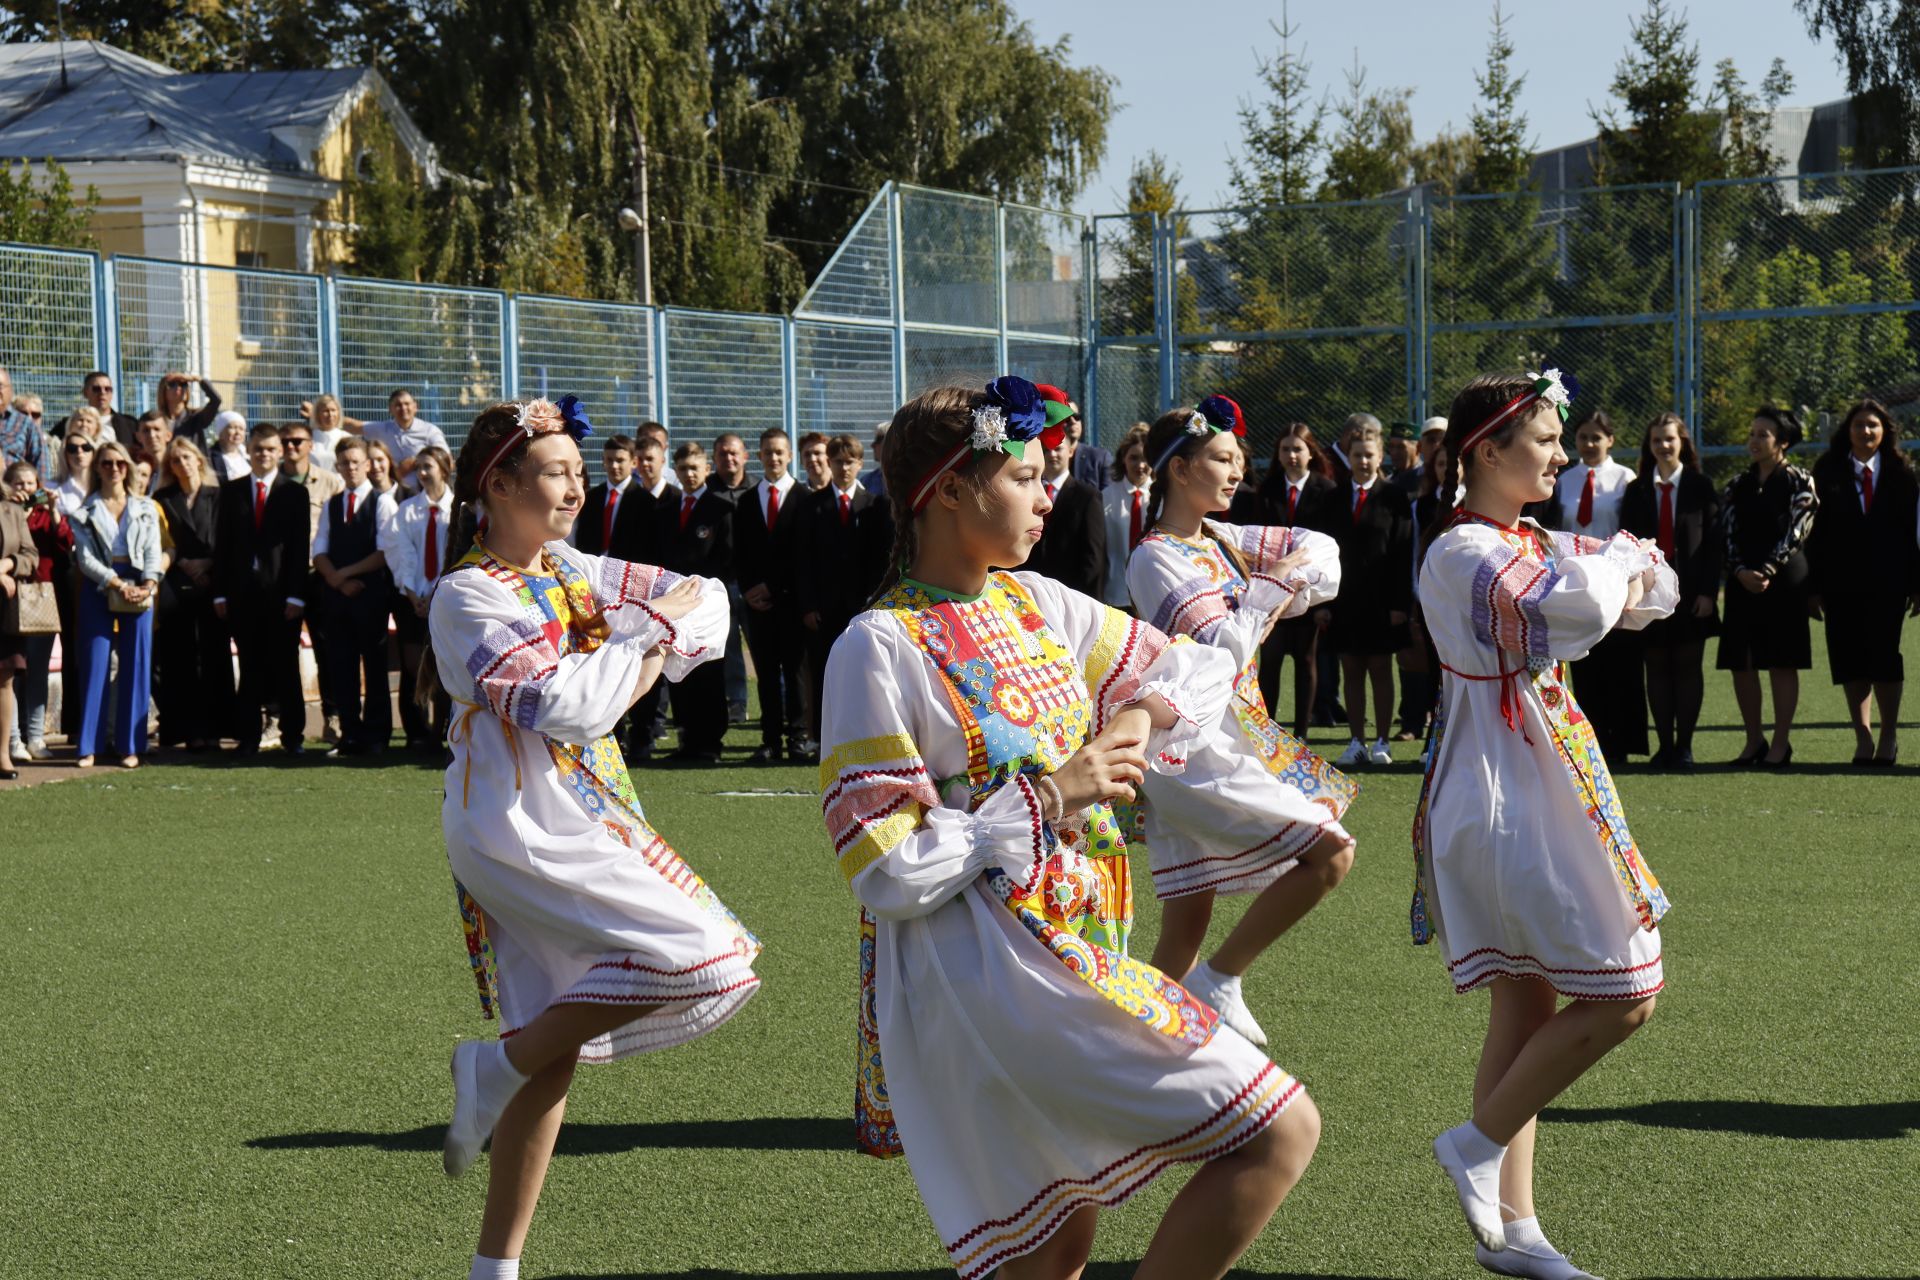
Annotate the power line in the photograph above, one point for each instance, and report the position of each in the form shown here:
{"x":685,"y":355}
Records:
{"x":767,"y":235}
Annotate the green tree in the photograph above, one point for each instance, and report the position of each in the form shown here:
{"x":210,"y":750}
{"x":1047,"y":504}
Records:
{"x":42,"y":210}
{"x":1663,"y":135}
{"x":1502,"y":149}
{"x":1153,"y":190}
{"x":1285,"y":136}
{"x":386,"y":209}
{"x":1445,"y":163}
{"x":1371,"y":152}
{"x":1878,"y":43}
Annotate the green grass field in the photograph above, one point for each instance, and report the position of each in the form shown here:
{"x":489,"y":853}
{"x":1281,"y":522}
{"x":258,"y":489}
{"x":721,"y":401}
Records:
{"x":231,"y":993}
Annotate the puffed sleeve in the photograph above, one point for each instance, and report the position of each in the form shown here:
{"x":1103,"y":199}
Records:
{"x":1523,"y":605}
{"x":1124,"y":661}
{"x":1315,"y":580}
{"x":624,"y":588}
{"x":491,"y":654}
{"x":902,"y":849}
{"x":1634,"y":556}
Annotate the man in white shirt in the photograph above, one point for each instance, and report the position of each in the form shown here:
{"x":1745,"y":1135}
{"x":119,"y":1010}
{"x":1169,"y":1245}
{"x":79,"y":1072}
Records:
{"x":1125,"y":508}
{"x":405,"y":433}
{"x":354,"y":600}
{"x":1587,"y":495}
{"x":763,"y":527}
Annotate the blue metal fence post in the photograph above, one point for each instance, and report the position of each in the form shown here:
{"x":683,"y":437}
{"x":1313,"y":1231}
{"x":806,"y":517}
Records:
{"x":661,"y":361}
{"x":1000,"y":286}
{"x":1165,"y":309}
{"x":106,"y":338}
{"x":896,"y":275}
{"x":789,"y":381}
{"x":1090,"y":330}
{"x":509,"y":346}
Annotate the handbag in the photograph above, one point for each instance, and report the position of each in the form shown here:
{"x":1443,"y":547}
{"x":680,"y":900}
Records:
{"x":34,"y":610}
{"x":117,"y":603}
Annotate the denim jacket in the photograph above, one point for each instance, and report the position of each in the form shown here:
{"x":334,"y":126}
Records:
{"x":93,"y":539}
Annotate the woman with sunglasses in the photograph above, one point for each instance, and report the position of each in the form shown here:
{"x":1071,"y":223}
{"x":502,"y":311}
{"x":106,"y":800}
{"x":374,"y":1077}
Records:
{"x":117,"y":540}
{"x":175,"y":389}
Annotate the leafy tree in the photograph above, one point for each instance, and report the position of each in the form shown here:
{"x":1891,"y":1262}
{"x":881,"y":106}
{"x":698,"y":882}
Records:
{"x":1284,"y":137}
{"x":386,"y":210}
{"x":1153,"y":189}
{"x":1878,"y":42}
{"x":43,"y":210}
{"x":1664,"y":136}
{"x":1502,"y":149}
{"x":1372,"y":148}
{"x":1445,"y":163}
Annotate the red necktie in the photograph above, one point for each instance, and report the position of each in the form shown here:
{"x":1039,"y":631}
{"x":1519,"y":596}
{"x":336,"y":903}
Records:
{"x":606,"y":517}
{"x":1665,"y":537}
{"x":846,"y":509}
{"x":1359,"y":503}
{"x":1586,"y":501}
{"x":1136,"y":519}
{"x":350,"y":499}
{"x":686,"y":512}
{"x":433,"y":542}
{"x":259,"y":503}
{"x":1050,"y":491}
{"x":1293,"y":501}
{"x":773,"y":505}
{"x":1866,"y":490}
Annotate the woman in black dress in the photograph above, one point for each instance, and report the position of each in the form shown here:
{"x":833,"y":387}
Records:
{"x":191,"y":653}
{"x":1673,"y":503}
{"x":1768,"y":514}
{"x":1294,"y":492}
{"x":1865,"y":570}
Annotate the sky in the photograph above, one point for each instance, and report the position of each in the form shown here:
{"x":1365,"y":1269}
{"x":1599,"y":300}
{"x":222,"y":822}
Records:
{"x":1184,"y":68}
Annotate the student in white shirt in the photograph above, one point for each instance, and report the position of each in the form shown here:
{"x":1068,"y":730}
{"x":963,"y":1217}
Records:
{"x":1124,"y":506}
{"x":404,"y":434}
{"x":1610,"y":681}
{"x":415,"y":544}
{"x":354,"y":603}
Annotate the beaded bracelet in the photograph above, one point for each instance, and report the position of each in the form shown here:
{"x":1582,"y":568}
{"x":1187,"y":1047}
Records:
{"x":1050,"y":787}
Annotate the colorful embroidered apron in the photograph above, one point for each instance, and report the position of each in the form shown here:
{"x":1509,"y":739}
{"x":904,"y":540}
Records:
{"x":1020,"y":700}
{"x":562,"y":604}
{"x":1576,"y":747}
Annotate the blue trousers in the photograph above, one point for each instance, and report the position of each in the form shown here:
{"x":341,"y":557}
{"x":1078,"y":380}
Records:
{"x":105,"y":634}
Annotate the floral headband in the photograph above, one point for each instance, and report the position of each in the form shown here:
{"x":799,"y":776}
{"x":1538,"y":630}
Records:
{"x":1551,"y":386}
{"x":538,"y":418}
{"x":1210,"y":417}
{"x":1014,"y":413}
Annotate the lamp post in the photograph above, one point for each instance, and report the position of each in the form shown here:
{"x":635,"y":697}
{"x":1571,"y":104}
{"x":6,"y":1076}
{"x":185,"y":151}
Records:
{"x":634,"y":223}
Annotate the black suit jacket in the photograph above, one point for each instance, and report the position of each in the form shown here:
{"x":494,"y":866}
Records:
{"x":762,"y":556}
{"x":1073,"y":550}
{"x":1375,"y":551}
{"x":704,"y":545}
{"x":586,"y":532}
{"x":638,"y":533}
{"x":1851,"y":551}
{"x":1092,"y":464}
{"x":1267,"y":504}
{"x":1699,"y":544}
{"x":270,"y":561}
{"x":838,"y":567}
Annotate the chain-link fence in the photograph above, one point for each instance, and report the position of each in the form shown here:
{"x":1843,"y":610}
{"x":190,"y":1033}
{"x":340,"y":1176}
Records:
{"x":256,"y":335}
{"x":50,"y":336}
{"x":446,"y":346}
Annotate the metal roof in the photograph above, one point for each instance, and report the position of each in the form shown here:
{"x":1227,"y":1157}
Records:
{"x":120,"y":107}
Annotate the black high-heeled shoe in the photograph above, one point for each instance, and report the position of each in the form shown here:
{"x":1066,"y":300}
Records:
{"x":1748,"y":759}
{"x":1781,"y":763}
{"x":9,"y":775}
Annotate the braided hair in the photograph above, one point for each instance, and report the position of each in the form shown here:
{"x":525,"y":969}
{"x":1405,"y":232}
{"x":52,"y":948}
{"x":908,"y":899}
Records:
{"x":1478,"y":401}
{"x":1169,"y":428}
{"x":921,"y":432}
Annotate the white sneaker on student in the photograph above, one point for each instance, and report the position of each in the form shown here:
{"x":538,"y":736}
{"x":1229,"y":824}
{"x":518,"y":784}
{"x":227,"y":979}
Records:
{"x":1222,"y":993}
{"x":484,"y":1082}
{"x":1380,"y":752}
{"x":1356,"y":753}
{"x":1472,"y":1160}
{"x":1537,"y":1261}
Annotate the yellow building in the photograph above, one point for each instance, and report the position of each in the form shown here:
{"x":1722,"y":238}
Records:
{"x":244,"y":169}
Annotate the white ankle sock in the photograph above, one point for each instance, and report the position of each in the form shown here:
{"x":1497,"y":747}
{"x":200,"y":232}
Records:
{"x":496,"y":1079}
{"x":1525,"y":1233}
{"x":494,"y":1268}
{"x":1476,"y":1147}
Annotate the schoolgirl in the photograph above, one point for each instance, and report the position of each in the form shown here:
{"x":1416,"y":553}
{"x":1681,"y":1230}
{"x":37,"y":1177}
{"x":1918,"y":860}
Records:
{"x":978,"y":724}
{"x":1265,"y":820}
{"x":587,"y":933}
{"x":1525,"y":869}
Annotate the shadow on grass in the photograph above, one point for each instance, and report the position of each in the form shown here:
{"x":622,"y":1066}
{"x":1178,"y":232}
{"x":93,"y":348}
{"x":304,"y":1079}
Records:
{"x":1867,"y":1121}
{"x":807,"y":1133}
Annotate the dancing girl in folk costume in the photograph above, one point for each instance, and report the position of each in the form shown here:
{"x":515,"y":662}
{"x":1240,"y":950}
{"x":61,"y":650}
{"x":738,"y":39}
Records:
{"x":588,"y":935}
{"x":1255,"y":812}
{"x":979,"y":724}
{"x":1525,"y":869}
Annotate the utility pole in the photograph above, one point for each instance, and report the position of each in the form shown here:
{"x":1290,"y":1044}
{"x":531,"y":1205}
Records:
{"x":60,"y":24}
{"x":645,"y":247}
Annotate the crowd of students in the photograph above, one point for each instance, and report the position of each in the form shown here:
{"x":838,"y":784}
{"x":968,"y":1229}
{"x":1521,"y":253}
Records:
{"x":182,"y":536}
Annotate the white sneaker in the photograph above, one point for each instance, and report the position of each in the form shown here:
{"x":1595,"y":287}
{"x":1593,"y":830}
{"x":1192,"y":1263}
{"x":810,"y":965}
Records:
{"x":38,"y":749}
{"x":1222,"y":993}
{"x":1380,"y":752}
{"x":484,"y":1082}
{"x":1479,"y":1190}
{"x":1534,"y":1261}
{"x":1356,"y":753}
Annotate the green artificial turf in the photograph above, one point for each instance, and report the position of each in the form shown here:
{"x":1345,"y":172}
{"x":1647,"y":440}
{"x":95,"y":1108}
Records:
{"x":231,"y":992}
